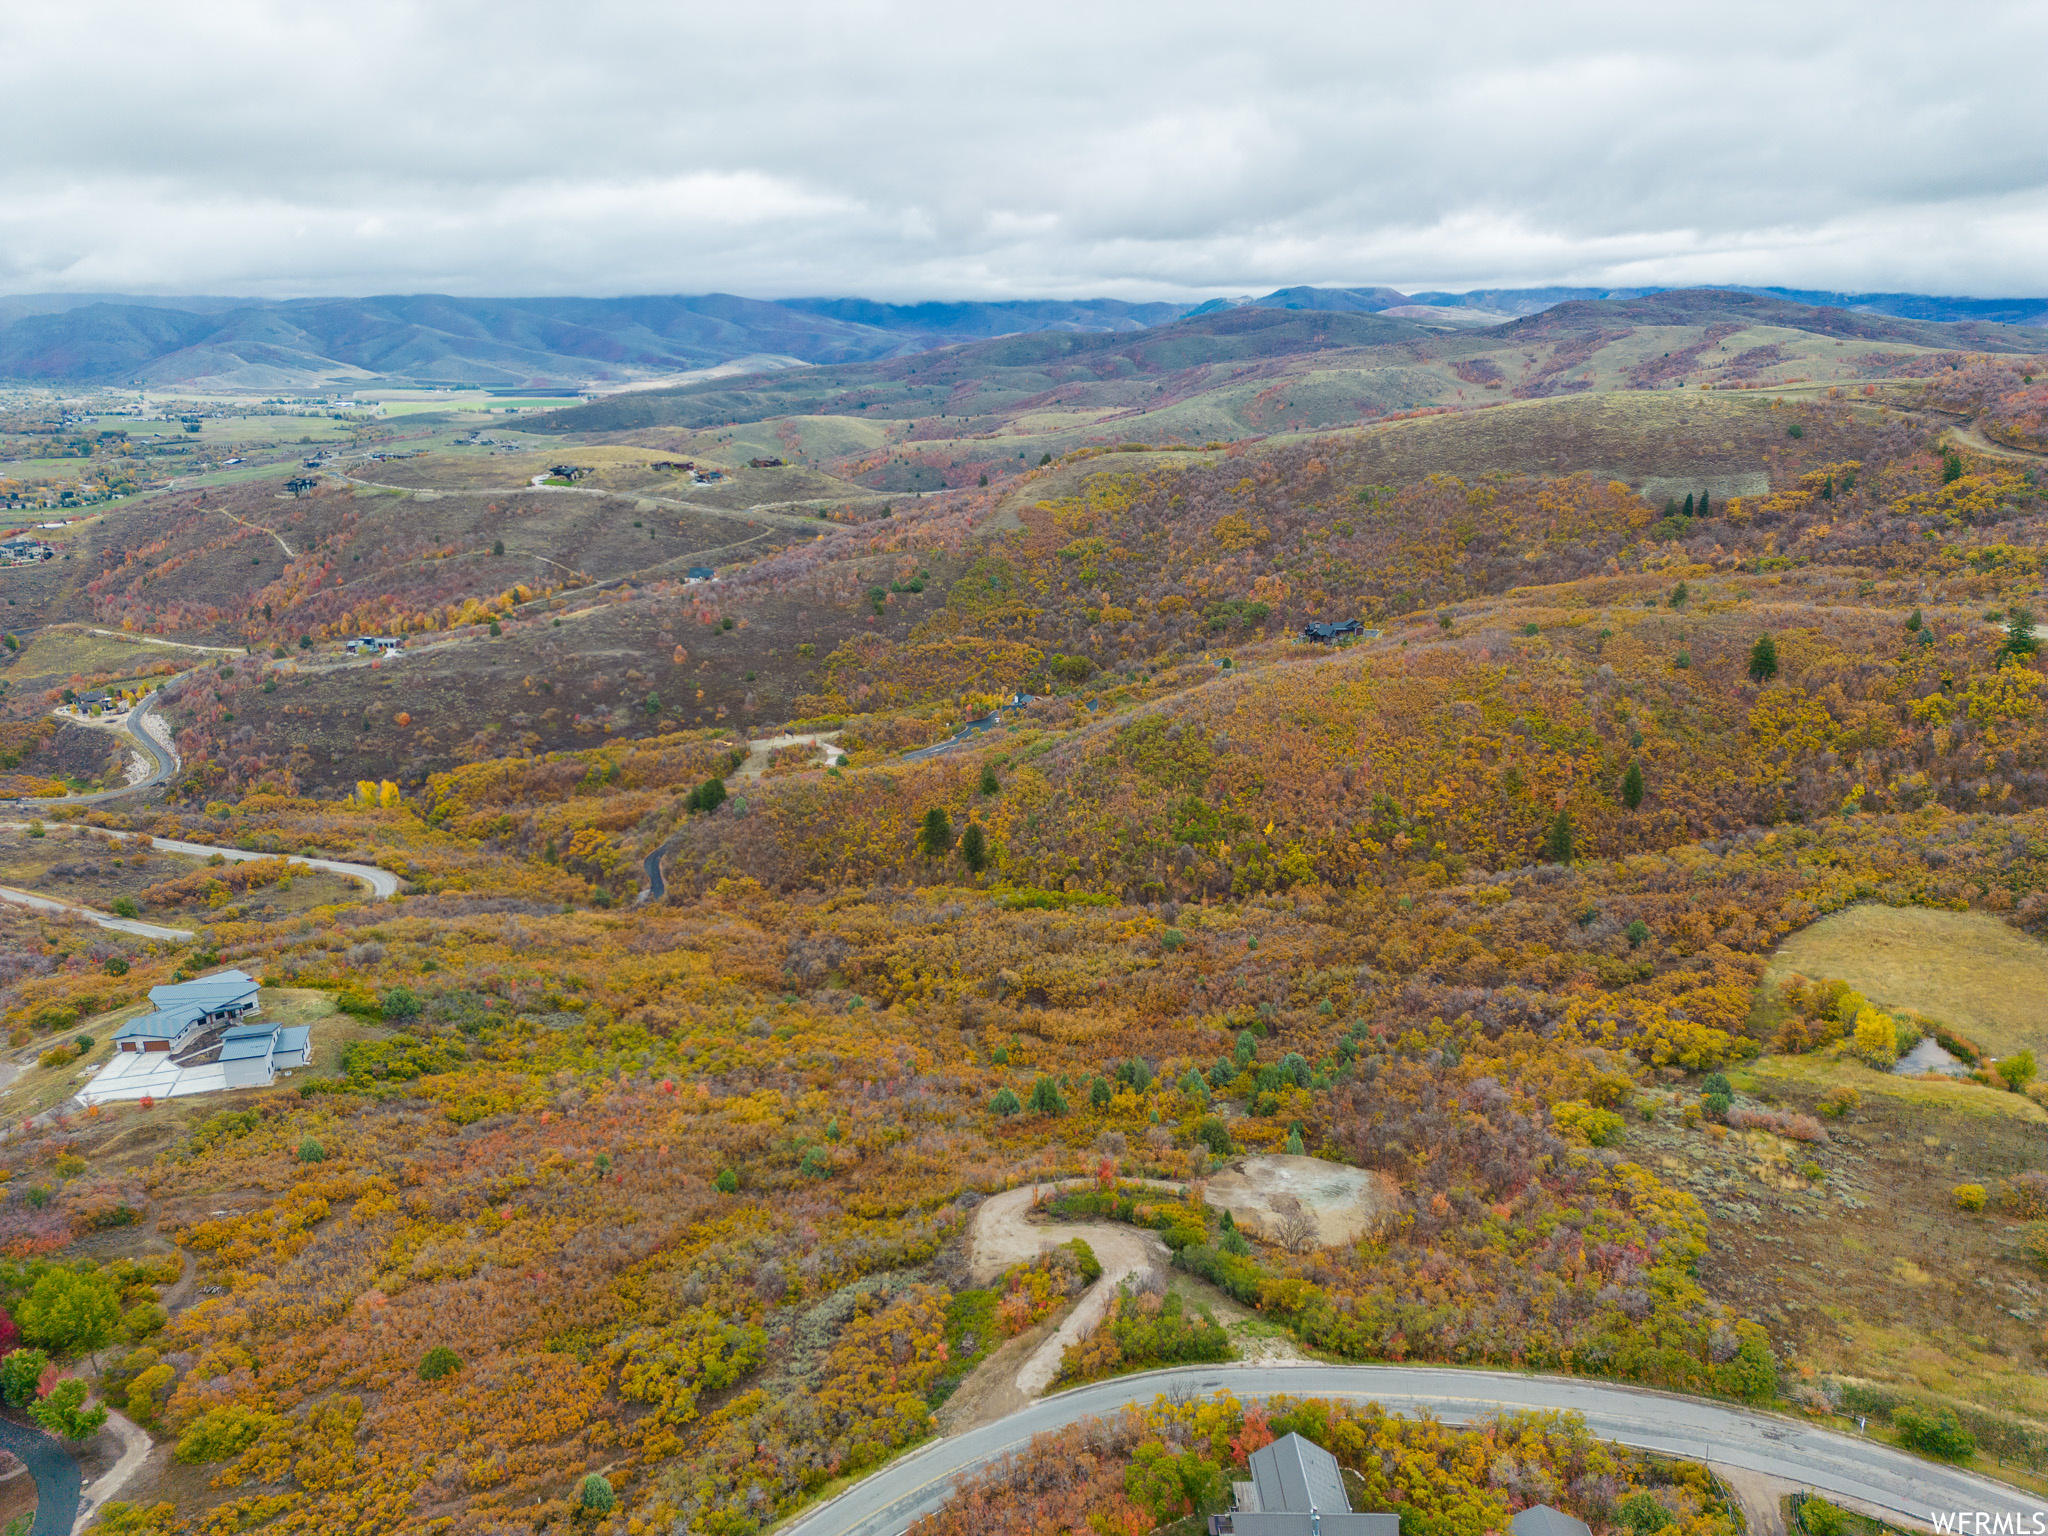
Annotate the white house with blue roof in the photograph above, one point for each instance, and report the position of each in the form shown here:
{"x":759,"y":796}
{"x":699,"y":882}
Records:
{"x":183,"y":1009}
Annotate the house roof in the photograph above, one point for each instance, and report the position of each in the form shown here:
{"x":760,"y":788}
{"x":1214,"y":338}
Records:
{"x":249,"y":1047}
{"x":1297,"y":1474}
{"x":164,"y":1024}
{"x":1542,"y":1520}
{"x":206,"y":992}
{"x":248,"y":1031}
{"x":295,"y":1038}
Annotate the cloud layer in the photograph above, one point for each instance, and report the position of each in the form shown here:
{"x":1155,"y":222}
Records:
{"x":907,"y":151}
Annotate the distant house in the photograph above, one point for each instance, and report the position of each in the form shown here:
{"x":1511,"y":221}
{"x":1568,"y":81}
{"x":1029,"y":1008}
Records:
{"x":1296,"y":1489}
{"x":25,"y":551}
{"x":185,"y":1008}
{"x":699,"y":573}
{"x":764,"y":463}
{"x":673,"y":464}
{"x":357,"y":645}
{"x":569,"y":471}
{"x":1542,"y":1520}
{"x":1328,"y":634}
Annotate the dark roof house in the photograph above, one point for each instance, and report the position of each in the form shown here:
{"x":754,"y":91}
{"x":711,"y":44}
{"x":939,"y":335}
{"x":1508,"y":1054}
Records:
{"x":1542,"y":1520}
{"x":1297,"y":1489}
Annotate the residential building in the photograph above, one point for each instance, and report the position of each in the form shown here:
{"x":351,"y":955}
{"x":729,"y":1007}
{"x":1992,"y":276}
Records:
{"x":1296,"y":1489}
{"x":251,"y":1055}
{"x":1542,"y":1520}
{"x":182,"y":1009}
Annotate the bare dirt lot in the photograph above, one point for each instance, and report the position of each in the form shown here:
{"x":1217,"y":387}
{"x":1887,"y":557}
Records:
{"x":1347,"y":1203}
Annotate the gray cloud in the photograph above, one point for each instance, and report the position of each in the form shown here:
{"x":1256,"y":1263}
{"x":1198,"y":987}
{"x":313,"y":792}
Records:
{"x":926,"y":150}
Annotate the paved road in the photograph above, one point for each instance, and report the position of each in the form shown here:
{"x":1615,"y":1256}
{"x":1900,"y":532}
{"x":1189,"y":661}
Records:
{"x":136,"y":728}
{"x":889,"y":1500}
{"x":55,"y":1472}
{"x":383,"y":883}
{"x":134,"y":925}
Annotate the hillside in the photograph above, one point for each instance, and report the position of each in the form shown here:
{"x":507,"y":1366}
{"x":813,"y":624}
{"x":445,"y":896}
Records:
{"x":246,"y":345}
{"x":1502,"y":905}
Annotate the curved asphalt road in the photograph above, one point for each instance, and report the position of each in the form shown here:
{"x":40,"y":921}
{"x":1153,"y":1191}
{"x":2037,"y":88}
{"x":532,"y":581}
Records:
{"x":135,"y":728}
{"x":56,"y":1475}
{"x":889,"y":1500}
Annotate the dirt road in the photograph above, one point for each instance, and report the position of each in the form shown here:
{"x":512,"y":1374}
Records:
{"x":1004,"y":1235}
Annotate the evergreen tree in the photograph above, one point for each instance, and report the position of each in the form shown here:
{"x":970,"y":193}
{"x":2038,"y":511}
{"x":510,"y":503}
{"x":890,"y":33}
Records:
{"x":1005,"y":1102}
{"x":1294,"y":1146}
{"x":1951,"y":466}
{"x":1671,"y":506}
{"x":1763,"y":659}
{"x":1913,"y":622}
{"x":935,"y":837}
{"x":2019,"y":633}
{"x":1099,"y":1093}
{"x":1557,"y":846}
{"x":1045,"y":1098}
{"x":974,"y":847}
{"x":1827,"y":489}
{"x":1688,"y":504}
{"x":1703,"y":505}
{"x":989,"y":783}
{"x":1679,"y":594}
{"x":1632,"y":786}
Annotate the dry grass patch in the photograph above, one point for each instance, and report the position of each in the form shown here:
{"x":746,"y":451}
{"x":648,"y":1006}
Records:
{"x":1969,"y":970}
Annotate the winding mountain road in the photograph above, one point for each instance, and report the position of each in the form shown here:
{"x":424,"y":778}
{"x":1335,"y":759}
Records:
{"x":888,"y":1501}
{"x":55,"y":1471}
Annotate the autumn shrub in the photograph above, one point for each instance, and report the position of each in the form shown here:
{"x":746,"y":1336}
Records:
{"x":1145,"y":1329}
{"x":1838,"y":1101}
{"x":64,"y":1411}
{"x":1937,"y":1433}
{"x":1820,"y":1518}
{"x":1586,"y":1123}
{"x":70,"y":1312}
{"x":698,"y":1352}
{"x":225,"y":1431}
{"x":727,"y":1182}
{"x":20,"y":1371}
{"x":2025,"y":1195}
{"x":1968,"y":1197}
{"x":2034,"y":1242}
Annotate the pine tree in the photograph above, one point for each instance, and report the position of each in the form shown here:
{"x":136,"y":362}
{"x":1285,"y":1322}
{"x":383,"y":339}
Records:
{"x":1913,"y":622}
{"x":974,"y":848}
{"x":1827,"y":489}
{"x":1557,"y":846}
{"x":935,"y":837}
{"x":989,"y":783}
{"x":1763,"y":659}
{"x":1632,"y":786}
{"x":1951,"y":466}
{"x":1688,"y":504}
{"x":1671,"y":506}
{"x":1703,"y":505}
{"x":2019,"y":633}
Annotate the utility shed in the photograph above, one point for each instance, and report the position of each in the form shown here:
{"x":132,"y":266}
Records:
{"x":1542,"y":1520}
{"x":1297,"y":1489}
{"x":294,"y":1046}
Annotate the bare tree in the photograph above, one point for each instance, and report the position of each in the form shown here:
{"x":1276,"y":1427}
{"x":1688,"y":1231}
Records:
{"x":1295,"y":1225}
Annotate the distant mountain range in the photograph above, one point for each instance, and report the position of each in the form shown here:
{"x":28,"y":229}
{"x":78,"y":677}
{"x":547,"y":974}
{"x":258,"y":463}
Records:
{"x":302,"y":345}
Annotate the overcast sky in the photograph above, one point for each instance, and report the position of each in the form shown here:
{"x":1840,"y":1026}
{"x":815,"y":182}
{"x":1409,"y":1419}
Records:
{"x":959,"y":150}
